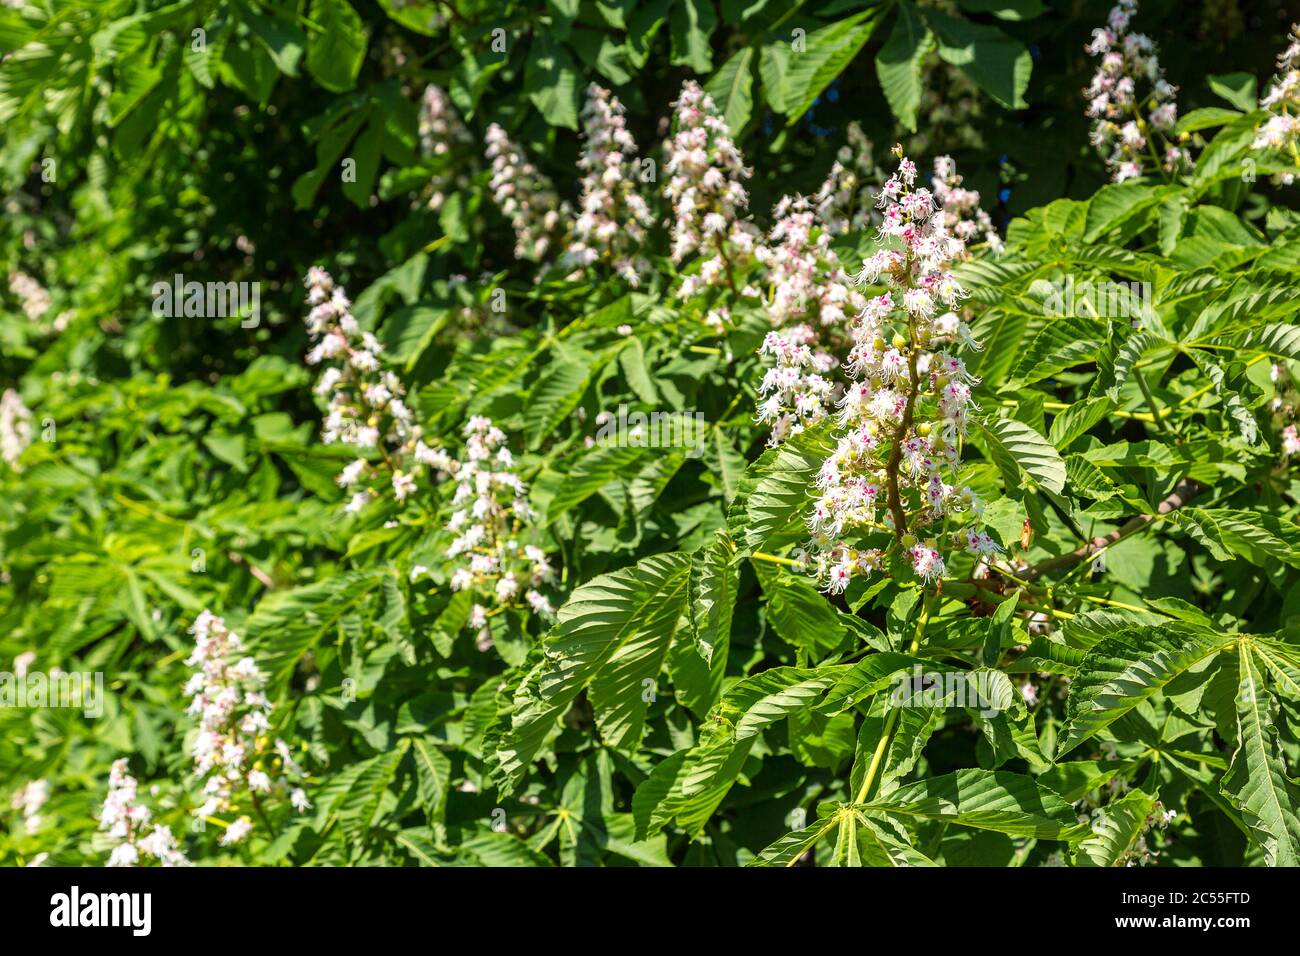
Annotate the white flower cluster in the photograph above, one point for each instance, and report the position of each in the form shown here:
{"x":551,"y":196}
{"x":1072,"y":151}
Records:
{"x":705,"y":170}
{"x":35,"y":298}
{"x":366,"y":404}
{"x":525,"y":196}
{"x":799,"y":383}
{"x":441,"y":134}
{"x":908,"y":404}
{"x":806,"y":278}
{"x":491,"y":517}
{"x":125,"y":819}
{"x":612,"y":223}
{"x":846,"y":200}
{"x":30,"y":798}
{"x":439,"y":126}
{"x":810,"y":288}
{"x":962,"y":215}
{"x":1281,"y":131}
{"x":1130,"y":102}
{"x":231,"y":751}
{"x":15,"y":428}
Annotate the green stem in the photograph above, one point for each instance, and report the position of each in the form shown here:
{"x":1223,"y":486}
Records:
{"x":892,"y":718}
{"x":1156,"y":412}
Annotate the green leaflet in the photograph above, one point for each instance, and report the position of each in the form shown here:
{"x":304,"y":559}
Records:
{"x":611,"y":637}
{"x":989,"y":800}
{"x":898,"y":64}
{"x":1261,"y":539}
{"x":1119,"y":672}
{"x":692,"y":783}
{"x":1063,"y":343}
{"x":1121,"y":824}
{"x":288,"y":623}
{"x":776,"y":502}
{"x":1021,"y":453}
{"x":1257,"y":782}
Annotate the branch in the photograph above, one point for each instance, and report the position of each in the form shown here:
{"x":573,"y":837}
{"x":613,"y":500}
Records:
{"x":1184,"y":491}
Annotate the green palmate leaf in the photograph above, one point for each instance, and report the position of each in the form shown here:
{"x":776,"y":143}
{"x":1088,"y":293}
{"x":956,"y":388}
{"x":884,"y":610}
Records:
{"x":989,"y":800}
{"x":285,"y":624}
{"x":999,"y":64}
{"x":337,"y":45}
{"x":1018,"y":450}
{"x":1261,"y":539}
{"x":714,"y":578}
{"x":699,"y":659}
{"x":491,"y":848}
{"x":1087,"y":480}
{"x":423,"y":851}
{"x":1116,"y":830}
{"x":1048,"y":655}
{"x":788,"y":850}
{"x":1075,"y":778}
{"x":632,"y":360}
{"x":1280,"y":341}
{"x":780,"y":495}
{"x":688,"y":787}
{"x":882,"y":843}
{"x":1207,"y":117}
{"x":433,"y":782}
{"x":1089,"y":628}
{"x":551,"y":81}
{"x":1248,"y":427}
{"x":751,"y":705}
{"x":1236,"y":319}
{"x":1281,"y":659}
{"x":918,"y":718}
{"x":1116,"y":205}
{"x":898,"y":64}
{"x":355,"y":807}
{"x":1257,"y":783}
{"x":826,"y":54}
{"x":732,"y":89}
{"x":282,"y":39}
{"x":691,"y":25}
{"x":1239,"y":89}
{"x":556,"y":394}
{"x":409,"y":330}
{"x":724,"y":461}
{"x":854,"y":838}
{"x":1063,"y":343}
{"x":557,"y":493}
{"x":1121,"y":671}
{"x":1126,"y":357}
{"x":612,"y":636}
{"x":869,"y":676}
{"x":798,"y":612}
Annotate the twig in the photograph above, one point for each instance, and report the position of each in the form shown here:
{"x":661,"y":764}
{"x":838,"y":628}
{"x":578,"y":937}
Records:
{"x":1184,"y":491}
{"x":253,"y":569}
